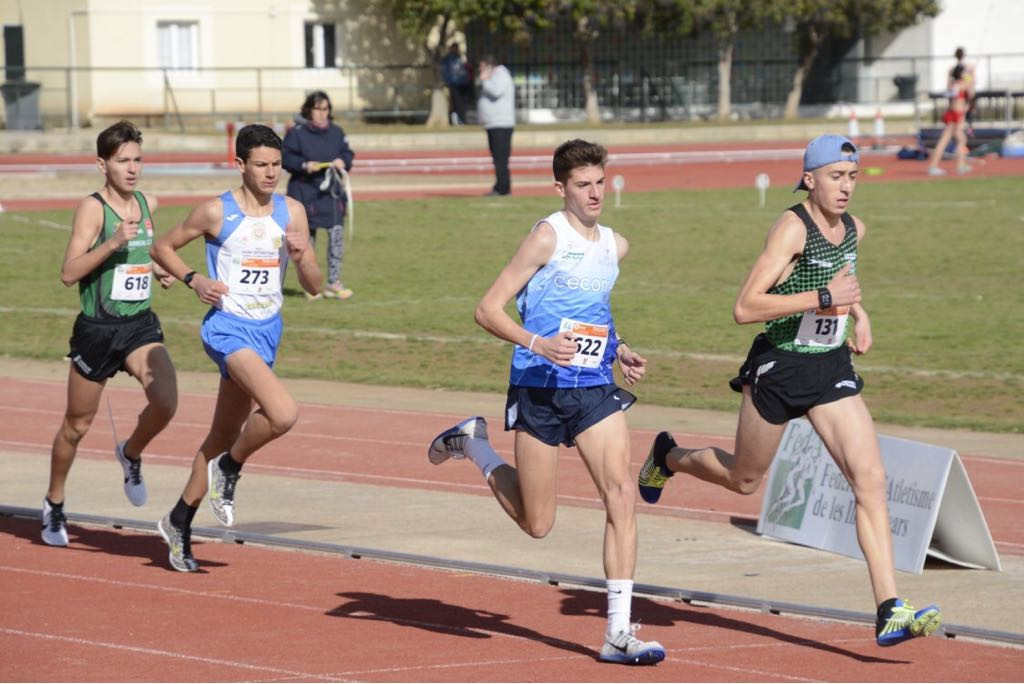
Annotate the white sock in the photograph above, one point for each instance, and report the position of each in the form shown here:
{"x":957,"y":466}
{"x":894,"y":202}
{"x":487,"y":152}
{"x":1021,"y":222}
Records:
{"x":620,"y":598}
{"x":483,"y":455}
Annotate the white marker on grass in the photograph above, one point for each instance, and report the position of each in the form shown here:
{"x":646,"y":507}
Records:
{"x":762,"y":183}
{"x":618,"y":182}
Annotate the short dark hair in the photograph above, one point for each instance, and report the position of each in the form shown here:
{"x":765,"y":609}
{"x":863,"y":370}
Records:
{"x":959,"y":54}
{"x":253,"y":136}
{"x":110,"y":140}
{"x":312,"y":100}
{"x":573,"y":154}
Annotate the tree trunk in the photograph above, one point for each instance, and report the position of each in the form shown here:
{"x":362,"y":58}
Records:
{"x":725,"y":81}
{"x":586,"y":38}
{"x":438,"y":117}
{"x":793,"y":99}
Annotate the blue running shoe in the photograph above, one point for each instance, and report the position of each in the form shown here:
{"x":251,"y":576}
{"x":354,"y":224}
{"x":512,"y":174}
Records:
{"x":654,"y":473}
{"x":902,"y":622}
{"x":626,"y":649}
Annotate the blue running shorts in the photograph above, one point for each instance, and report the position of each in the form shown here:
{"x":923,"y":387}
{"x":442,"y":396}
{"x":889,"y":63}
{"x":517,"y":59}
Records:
{"x":223,"y":334}
{"x":555,"y":415}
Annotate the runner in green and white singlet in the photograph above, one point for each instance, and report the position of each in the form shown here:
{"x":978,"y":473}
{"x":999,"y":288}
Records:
{"x":122,"y":285}
{"x":804,"y":288}
{"x":108,"y":256}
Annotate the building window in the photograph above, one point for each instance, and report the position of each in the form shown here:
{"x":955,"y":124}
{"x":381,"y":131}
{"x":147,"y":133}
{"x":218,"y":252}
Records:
{"x":178,"y":44}
{"x":321,"y":45}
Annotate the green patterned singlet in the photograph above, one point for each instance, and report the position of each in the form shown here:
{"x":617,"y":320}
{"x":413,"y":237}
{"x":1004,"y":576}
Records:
{"x":814,"y":332}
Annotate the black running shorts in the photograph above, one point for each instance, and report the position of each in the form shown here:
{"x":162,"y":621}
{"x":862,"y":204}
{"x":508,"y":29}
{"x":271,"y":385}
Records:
{"x":786,"y":385}
{"x":555,"y":415}
{"x":100,"y":346}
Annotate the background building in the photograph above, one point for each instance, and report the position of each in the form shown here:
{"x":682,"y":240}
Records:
{"x":192,"y":63}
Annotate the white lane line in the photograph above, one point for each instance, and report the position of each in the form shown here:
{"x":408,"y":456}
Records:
{"x":350,"y":476}
{"x":165,"y":654}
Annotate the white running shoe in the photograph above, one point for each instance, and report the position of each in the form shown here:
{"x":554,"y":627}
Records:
{"x":55,"y":529}
{"x":222,"y":491}
{"x":625,"y":648}
{"x":936,"y":171}
{"x":451,"y":443}
{"x":134,"y":485}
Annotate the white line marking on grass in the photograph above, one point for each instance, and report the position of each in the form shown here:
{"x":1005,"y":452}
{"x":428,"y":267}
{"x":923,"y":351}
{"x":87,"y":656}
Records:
{"x":166,"y":654}
{"x":492,"y":341}
{"x":46,"y":223}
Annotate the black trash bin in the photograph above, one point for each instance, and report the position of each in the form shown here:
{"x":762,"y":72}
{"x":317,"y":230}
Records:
{"x":21,"y":105}
{"x":906,"y":86}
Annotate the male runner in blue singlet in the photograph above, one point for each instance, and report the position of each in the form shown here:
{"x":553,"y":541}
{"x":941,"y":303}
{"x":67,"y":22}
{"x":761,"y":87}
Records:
{"x":561,"y":387}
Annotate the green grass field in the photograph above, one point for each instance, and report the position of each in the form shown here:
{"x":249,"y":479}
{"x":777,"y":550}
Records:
{"x":940,"y":270}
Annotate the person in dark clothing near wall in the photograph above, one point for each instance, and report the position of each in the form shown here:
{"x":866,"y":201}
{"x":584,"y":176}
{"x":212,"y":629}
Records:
{"x":317,"y":155}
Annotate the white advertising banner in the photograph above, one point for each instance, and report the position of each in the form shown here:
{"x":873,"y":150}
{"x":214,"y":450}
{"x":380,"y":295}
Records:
{"x":932,"y":506}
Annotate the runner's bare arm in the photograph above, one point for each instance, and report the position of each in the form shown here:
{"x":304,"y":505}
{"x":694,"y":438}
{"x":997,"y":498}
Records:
{"x":632,"y":365}
{"x":205,"y":219}
{"x":165,"y":278}
{"x":862,"y":339}
{"x":784,"y":244}
{"x":533,"y":253}
{"x":79,"y":259}
{"x":297,"y":239}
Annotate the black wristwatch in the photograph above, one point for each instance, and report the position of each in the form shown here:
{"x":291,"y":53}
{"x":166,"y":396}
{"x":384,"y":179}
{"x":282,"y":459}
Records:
{"x":824,"y":298}
{"x":188,"y":279}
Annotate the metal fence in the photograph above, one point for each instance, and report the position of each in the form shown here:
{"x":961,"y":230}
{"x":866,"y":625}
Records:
{"x":58,"y":97}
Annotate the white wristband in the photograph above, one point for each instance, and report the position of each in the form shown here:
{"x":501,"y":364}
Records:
{"x":532,"y":340}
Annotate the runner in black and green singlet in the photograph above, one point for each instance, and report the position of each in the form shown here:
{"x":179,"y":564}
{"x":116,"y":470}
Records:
{"x":121,"y":286}
{"x":819,"y":262}
{"x":108,"y":256}
{"x":804,"y":288}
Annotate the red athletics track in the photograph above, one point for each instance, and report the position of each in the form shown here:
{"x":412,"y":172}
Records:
{"x":338,"y":443}
{"x":108,"y":608}
{"x":682,"y":174}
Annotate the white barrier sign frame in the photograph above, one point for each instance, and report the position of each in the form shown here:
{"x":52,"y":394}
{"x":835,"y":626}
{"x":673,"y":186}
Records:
{"x":932,"y":507}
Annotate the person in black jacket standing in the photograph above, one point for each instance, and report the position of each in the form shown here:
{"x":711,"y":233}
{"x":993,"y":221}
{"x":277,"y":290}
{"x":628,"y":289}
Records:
{"x":316,"y":152}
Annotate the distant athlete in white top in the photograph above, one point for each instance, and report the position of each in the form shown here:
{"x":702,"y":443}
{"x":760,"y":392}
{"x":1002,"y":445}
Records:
{"x":251,"y":233}
{"x":561,"y":387}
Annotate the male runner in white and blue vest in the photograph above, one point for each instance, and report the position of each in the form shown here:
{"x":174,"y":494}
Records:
{"x":804,"y":288}
{"x":250,"y":234}
{"x":561,"y":387}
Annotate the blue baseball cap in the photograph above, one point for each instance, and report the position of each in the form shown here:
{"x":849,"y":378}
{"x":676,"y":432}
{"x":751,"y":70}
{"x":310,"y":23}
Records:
{"x":824,"y":150}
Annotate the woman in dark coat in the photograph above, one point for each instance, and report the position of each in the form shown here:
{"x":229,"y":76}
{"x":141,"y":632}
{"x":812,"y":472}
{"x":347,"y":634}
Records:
{"x":312,"y":149}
